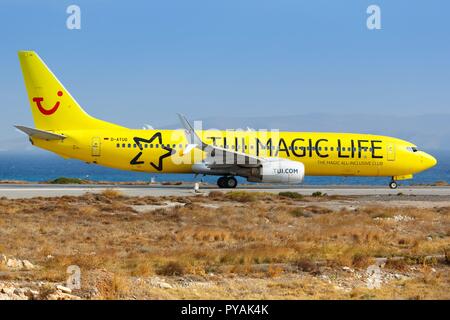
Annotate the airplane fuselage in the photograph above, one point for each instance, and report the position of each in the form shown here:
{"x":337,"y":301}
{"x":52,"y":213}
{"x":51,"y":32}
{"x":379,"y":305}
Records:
{"x":323,"y":154}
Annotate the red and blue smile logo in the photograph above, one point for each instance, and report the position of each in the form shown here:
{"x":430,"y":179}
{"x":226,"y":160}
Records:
{"x":43,"y":110}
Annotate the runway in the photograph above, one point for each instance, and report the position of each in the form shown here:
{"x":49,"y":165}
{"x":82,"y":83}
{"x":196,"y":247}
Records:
{"x":16,"y":191}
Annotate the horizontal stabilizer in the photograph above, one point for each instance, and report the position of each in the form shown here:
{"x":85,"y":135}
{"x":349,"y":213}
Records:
{"x":41,"y":134}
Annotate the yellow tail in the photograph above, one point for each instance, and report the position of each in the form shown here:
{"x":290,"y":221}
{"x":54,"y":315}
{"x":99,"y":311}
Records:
{"x":52,"y":106}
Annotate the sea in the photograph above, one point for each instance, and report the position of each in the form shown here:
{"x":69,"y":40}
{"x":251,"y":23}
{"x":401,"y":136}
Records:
{"x":45,"y":166}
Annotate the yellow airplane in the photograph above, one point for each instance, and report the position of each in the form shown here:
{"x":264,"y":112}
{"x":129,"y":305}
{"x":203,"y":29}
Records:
{"x":63,"y":127}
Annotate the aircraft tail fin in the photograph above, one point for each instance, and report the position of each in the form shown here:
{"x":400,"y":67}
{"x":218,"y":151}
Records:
{"x":52,"y":106}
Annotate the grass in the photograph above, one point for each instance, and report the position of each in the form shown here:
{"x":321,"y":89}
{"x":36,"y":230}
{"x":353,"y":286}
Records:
{"x":262,"y":238}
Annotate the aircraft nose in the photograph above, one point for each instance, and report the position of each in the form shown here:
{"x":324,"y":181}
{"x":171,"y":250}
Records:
{"x":428,"y":160}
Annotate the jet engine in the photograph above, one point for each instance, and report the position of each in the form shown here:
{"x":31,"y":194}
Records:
{"x":276,"y":170}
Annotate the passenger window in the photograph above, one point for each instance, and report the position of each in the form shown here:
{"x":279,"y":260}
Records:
{"x":123,"y":145}
{"x":118,"y":145}
{"x":332,"y":148}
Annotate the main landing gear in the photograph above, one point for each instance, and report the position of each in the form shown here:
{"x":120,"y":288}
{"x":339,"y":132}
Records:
{"x":227,"y":182}
{"x":393,"y":184}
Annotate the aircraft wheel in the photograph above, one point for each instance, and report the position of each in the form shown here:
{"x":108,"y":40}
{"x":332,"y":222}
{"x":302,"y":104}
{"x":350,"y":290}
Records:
{"x":231,"y":182}
{"x":221,"y":182}
{"x":393,"y":184}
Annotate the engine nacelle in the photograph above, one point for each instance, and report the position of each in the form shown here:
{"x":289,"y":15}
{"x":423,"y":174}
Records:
{"x":277,"y":170}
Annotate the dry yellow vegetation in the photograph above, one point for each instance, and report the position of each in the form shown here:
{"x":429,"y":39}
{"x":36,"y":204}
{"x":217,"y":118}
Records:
{"x":230,"y":245}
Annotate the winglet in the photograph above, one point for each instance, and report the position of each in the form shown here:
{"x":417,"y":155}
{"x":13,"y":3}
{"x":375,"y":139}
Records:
{"x":191,"y":135}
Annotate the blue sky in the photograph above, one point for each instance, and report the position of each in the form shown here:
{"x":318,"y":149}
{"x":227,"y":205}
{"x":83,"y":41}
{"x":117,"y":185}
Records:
{"x":136,"y":62}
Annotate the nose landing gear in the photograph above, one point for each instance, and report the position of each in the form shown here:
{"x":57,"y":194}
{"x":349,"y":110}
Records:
{"x":227,"y":182}
{"x":393,"y":184}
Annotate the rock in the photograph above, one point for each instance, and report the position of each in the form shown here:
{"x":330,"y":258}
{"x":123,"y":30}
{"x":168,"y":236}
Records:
{"x":165,"y":285}
{"x":32,"y":294}
{"x":3,"y":259}
{"x":62,"y":296}
{"x":429,"y":238}
{"x":8,"y":290}
{"x":348,"y":269}
{"x":64,"y":289}
{"x":27,"y":265}
{"x":4,"y":296}
{"x":157,"y":282}
{"x":21,"y":293}
{"x":14,"y":264}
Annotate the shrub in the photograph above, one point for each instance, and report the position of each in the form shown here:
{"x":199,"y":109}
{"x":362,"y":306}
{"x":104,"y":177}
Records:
{"x":65,"y":180}
{"x":111,"y":193}
{"x":397,"y":264}
{"x":241,"y":196}
{"x":274,"y":271}
{"x":360,"y":260}
{"x":317,"y":194}
{"x":216,"y":194}
{"x":172,"y":268}
{"x":290,"y":194}
{"x":306,"y":265}
{"x":298,"y":212}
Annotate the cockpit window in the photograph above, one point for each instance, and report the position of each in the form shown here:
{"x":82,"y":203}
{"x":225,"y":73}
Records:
{"x":412,"y":149}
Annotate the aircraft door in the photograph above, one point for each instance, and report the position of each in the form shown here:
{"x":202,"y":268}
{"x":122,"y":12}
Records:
{"x":96,"y":143}
{"x":390,"y":152}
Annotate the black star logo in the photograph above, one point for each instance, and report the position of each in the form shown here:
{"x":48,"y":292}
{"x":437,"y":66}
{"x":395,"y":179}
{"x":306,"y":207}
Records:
{"x":158,"y":136}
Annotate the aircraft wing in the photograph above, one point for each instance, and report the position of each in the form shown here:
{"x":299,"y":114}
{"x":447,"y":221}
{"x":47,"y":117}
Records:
{"x":41,"y":134}
{"x":218,"y":158}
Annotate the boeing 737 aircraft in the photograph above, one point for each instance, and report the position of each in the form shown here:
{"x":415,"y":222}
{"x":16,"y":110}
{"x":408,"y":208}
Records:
{"x":63,"y":127}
